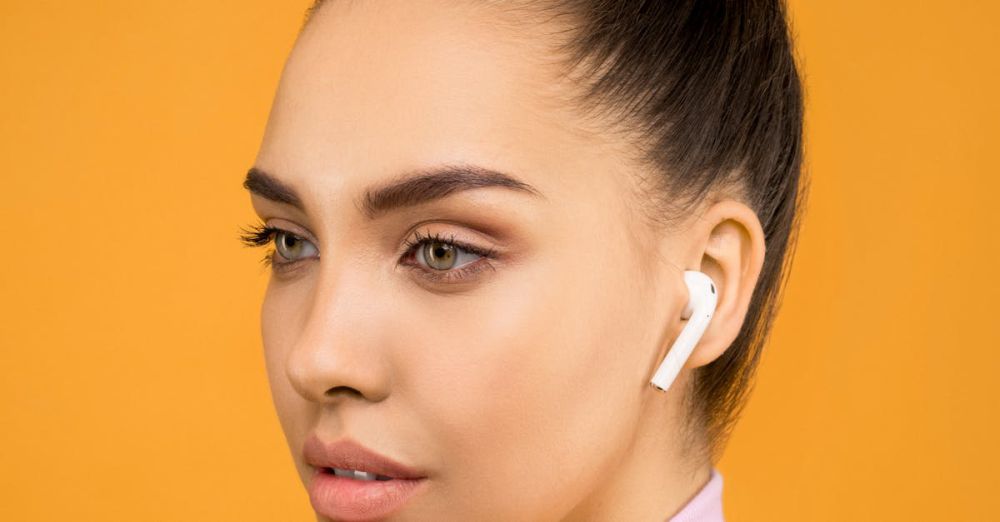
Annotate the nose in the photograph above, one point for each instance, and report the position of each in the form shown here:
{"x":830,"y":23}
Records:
{"x":337,"y":357}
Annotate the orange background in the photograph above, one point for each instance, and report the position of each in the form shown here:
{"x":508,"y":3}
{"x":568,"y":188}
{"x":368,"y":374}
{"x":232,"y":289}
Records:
{"x":132,"y":385}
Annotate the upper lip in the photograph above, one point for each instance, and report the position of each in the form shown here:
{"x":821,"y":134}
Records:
{"x":348,"y":454}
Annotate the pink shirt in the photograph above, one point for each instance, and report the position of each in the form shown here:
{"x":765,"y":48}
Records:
{"x":706,"y":505}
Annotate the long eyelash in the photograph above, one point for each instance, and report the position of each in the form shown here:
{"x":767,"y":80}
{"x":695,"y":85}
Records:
{"x":259,"y":235}
{"x":437,"y":238}
{"x":256,"y":235}
{"x":453,"y":275}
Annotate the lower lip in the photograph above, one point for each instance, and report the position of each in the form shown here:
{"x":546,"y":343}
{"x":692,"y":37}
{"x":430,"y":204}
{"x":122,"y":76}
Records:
{"x":343,"y":498}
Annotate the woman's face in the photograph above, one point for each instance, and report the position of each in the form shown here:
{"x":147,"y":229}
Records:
{"x":517,"y":382}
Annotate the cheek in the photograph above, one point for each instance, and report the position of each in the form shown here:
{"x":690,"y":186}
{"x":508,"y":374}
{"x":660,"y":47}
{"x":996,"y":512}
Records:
{"x":526,"y":387}
{"x":282,"y":316}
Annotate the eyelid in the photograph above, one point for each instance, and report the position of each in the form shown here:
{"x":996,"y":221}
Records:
{"x":487,"y":254}
{"x":487,"y":257}
{"x":293,"y":229}
{"x":415,"y":238}
{"x":273,"y":258}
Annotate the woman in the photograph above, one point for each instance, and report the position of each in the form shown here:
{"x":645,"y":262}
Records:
{"x":481,"y":213}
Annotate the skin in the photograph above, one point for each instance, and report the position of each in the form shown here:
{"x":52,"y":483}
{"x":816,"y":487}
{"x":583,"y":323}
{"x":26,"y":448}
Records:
{"x":521,"y":390}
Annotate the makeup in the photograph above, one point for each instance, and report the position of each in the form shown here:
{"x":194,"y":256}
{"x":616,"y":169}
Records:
{"x":353,"y":483}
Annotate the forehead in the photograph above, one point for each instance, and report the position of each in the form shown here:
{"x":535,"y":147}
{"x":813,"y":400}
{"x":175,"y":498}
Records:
{"x":375,"y":88}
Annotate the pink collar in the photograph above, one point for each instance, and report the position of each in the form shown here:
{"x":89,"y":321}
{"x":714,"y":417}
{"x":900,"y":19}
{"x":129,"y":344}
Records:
{"x":706,"y":506}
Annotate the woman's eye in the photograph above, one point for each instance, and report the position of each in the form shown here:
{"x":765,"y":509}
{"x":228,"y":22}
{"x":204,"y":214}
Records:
{"x":441,"y":255}
{"x":445,"y":260}
{"x":292,"y":247}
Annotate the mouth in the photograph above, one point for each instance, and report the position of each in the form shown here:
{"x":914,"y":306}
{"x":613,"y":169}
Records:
{"x":353,"y":483}
{"x":356,"y":496}
{"x":351,"y":459}
{"x":355,"y":474}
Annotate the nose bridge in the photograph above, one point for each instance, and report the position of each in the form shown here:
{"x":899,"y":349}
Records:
{"x":336,"y":355}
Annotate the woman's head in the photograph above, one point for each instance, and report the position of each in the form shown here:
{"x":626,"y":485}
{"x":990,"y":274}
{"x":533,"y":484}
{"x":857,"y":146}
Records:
{"x":581,"y":155}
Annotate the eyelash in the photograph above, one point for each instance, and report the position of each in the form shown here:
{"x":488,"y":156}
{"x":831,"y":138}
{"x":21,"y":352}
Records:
{"x":259,"y":235}
{"x":454,"y":274}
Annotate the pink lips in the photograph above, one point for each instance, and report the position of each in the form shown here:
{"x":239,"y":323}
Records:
{"x":347,"y":498}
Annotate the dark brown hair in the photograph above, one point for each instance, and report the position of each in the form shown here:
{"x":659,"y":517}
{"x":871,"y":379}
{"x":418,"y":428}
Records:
{"x":713,"y":89}
{"x":712,"y":94}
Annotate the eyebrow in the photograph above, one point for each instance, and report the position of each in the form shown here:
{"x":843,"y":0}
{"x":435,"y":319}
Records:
{"x":409,"y":189}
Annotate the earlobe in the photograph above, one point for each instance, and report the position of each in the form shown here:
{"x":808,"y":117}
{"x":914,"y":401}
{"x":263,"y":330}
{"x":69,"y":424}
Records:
{"x":732,"y":254}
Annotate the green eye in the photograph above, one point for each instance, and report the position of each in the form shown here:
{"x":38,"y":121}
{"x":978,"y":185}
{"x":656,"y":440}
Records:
{"x":445,"y":260}
{"x":292,"y":247}
{"x":444,"y":255}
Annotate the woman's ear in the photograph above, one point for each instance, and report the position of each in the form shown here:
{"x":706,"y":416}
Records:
{"x":729,"y":240}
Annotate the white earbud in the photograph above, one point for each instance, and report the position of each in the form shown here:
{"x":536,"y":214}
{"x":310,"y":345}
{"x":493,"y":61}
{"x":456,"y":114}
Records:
{"x":698,"y":312}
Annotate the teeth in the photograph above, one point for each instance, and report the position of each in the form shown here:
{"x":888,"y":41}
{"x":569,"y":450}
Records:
{"x":359,"y":475}
{"x":363,"y":475}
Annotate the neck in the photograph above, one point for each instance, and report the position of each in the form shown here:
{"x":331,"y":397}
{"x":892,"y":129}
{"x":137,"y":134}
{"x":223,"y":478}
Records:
{"x":654,"y":476}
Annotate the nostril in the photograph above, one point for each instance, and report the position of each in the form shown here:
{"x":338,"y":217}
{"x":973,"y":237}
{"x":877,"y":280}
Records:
{"x":342,"y":390}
